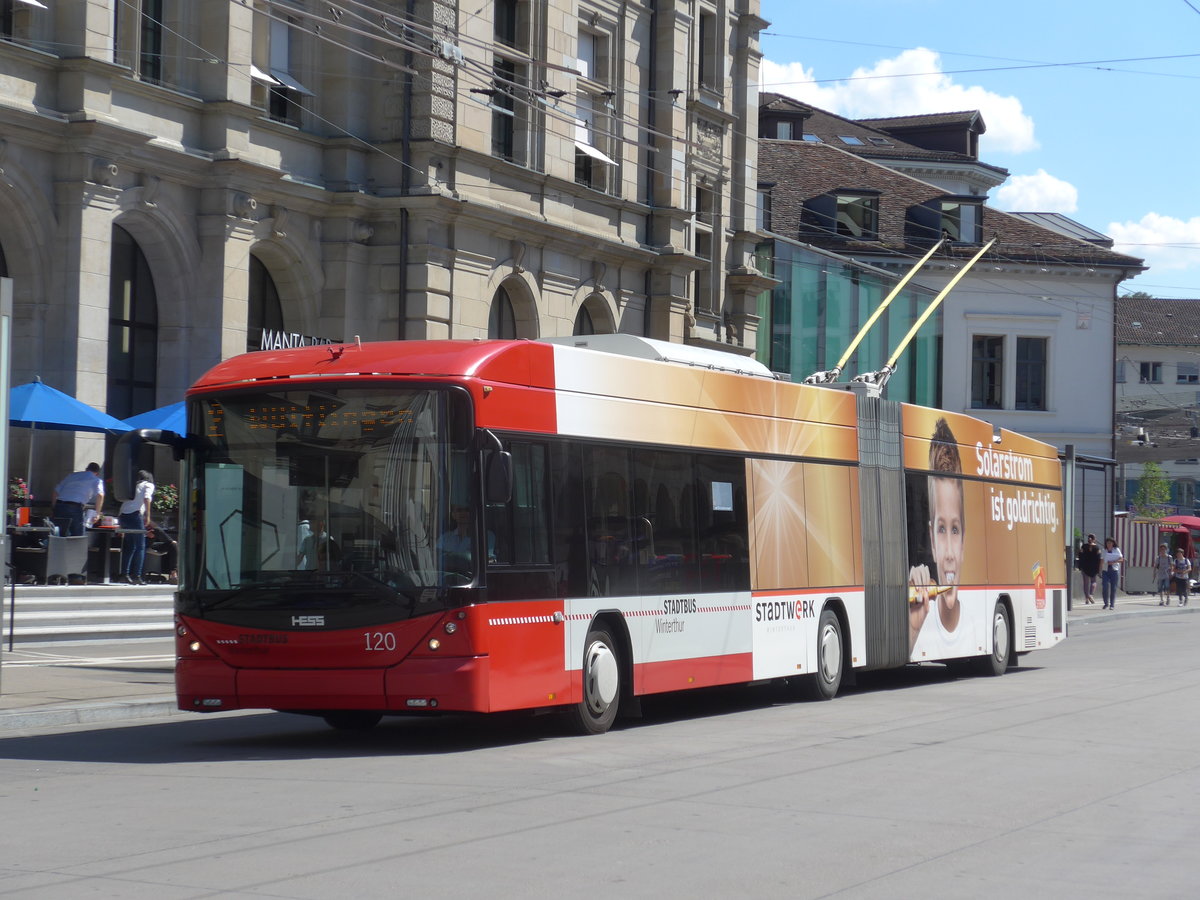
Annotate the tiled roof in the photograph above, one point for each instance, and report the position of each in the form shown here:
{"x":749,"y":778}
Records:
{"x":830,"y":128}
{"x":802,"y":171}
{"x":1151,"y":321}
{"x":1065,"y":225}
{"x":964,"y":117}
{"x":773,"y":101}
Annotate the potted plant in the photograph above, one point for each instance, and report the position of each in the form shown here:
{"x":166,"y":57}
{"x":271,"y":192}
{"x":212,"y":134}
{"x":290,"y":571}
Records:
{"x":166,"y":504}
{"x":19,"y":498}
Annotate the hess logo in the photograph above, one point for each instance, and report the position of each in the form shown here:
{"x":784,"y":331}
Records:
{"x":307,"y":621}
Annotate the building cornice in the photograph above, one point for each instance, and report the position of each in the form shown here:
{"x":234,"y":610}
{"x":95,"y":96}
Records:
{"x":977,"y":175}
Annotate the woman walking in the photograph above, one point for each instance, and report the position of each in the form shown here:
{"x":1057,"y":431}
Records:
{"x":134,"y":520}
{"x":1111,"y":559}
{"x":1088,"y":564}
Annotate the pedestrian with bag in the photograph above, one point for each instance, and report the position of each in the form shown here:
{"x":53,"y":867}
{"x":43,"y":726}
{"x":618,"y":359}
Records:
{"x":1111,"y":558}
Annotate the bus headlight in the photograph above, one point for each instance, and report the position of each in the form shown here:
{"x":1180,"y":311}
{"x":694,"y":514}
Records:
{"x":451,"y":628}
{"x":434,"y":643}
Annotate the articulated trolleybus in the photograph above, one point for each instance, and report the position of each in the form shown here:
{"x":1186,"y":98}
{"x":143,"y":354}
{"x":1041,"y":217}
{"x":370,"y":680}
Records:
{"x":476,"y":526}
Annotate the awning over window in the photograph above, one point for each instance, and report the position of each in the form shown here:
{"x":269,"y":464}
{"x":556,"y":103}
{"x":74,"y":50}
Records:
{"x":591,"y":151}
{"x":583,"y":143}
{"x":259,"y":75}
{"x":289,"y":82}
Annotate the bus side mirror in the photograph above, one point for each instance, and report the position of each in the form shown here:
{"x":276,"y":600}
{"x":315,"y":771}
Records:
{"x":127,"y":451}
{"x":498,"y":476}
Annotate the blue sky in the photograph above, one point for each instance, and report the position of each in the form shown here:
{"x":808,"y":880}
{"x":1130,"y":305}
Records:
{"x":1111,"y":140}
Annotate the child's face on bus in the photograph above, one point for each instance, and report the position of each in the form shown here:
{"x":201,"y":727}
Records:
{"x":946,"y":533}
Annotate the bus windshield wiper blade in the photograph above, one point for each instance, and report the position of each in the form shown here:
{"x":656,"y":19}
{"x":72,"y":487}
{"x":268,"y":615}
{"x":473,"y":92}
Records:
{"x":304,"y":584}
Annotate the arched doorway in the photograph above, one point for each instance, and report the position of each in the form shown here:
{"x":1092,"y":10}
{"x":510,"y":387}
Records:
{"x":132,"y":329}
{"x":594,"y":317}
{"x":583,"y":322}
{"x":502,"y":319}
{"x":265,"y":312}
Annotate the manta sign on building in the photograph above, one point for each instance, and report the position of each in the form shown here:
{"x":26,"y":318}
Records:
{"x":286,"y":340}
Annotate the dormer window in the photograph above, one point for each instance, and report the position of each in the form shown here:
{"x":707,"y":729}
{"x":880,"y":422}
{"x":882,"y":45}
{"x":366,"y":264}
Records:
{"x":857,"y":216}
{"x":962,"y":220}
{"x":785,"y":130}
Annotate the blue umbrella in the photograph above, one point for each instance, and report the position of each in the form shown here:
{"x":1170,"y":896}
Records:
{"x":172,"y":417}
{"x":36,"y":405}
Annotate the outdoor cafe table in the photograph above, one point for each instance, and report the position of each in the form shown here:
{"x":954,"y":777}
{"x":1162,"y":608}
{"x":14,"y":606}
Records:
{"x":103,"y":568}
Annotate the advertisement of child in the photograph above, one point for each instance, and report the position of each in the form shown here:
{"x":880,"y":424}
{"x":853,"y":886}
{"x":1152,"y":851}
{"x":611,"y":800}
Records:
{"x":938,"y":529}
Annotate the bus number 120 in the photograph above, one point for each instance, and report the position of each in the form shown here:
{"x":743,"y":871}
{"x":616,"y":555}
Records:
{"x":380,"y":640}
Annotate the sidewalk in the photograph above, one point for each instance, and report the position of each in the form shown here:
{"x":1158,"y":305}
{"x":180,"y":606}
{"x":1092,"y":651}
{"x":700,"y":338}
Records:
{"x":73,"y":684}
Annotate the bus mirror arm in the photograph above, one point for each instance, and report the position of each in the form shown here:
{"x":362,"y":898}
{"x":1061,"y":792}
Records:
{"x":498,"y":476}
{"x":126,"y":453}
{"x":497,"y":468}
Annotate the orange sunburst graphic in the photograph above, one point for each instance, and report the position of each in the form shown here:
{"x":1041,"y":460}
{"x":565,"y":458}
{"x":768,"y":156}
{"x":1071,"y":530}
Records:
{"x":779,"y":529}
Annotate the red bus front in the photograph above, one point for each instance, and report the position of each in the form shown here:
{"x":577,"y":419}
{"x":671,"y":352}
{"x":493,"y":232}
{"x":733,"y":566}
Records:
{"x":335,"y":554}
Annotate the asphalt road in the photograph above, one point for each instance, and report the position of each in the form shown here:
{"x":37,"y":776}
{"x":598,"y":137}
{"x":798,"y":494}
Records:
{"x":1074,"y":776}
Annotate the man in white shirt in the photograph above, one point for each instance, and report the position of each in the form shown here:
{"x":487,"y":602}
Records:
{"x":72,"y":494}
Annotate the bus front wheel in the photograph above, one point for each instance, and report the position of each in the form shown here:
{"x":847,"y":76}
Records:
{"x":824,"y":683}
{"x":596,"y":712}
{"x":996,"y":662}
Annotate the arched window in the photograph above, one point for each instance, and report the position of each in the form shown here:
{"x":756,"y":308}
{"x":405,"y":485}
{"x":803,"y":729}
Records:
{"x":583,"y":322}
{"x":132,"y":329}
{"x":265,"y":313}
{"x":502,"y":320}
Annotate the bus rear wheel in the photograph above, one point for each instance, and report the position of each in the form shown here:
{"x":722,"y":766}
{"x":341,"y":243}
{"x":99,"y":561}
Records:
{"x":824,"y":683}
{"x":597,"y":711}
{"x":996,"y":662}
{"x":352,"y":719}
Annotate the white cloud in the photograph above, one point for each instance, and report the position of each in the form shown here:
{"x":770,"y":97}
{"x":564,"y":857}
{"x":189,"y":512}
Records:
{"x":909,"y":84}
{"x":1164,"y":242}
{"x":1041,"y":192}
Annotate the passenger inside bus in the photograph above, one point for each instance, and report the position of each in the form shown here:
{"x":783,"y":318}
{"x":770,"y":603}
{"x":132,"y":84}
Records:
{"x":317,"y":549}
{"x":457,"y":546}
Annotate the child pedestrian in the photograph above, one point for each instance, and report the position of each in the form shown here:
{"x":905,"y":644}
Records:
{"x":1164,"y":567}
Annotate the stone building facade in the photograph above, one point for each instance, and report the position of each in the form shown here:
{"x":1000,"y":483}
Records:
{"x":184,"y":180}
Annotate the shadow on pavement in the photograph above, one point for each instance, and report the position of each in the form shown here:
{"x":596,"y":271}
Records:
{"x":221,"y":737}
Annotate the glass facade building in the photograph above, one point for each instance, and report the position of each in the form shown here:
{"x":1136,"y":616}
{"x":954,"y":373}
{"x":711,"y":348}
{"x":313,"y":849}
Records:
{"x":822,"y":300}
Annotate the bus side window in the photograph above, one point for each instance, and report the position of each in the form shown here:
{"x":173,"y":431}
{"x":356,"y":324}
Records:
{"x":521,"y":526}
{"x":572,"y":567}
{"x":724,"y":525}
{"x":665,"y":542}
{"x":609,"y":535}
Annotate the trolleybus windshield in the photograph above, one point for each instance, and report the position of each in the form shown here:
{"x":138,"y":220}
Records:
{"x":324,"y":497}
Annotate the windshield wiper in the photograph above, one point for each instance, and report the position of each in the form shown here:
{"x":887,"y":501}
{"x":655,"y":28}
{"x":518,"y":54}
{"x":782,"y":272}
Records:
{"x":305,"y":585}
